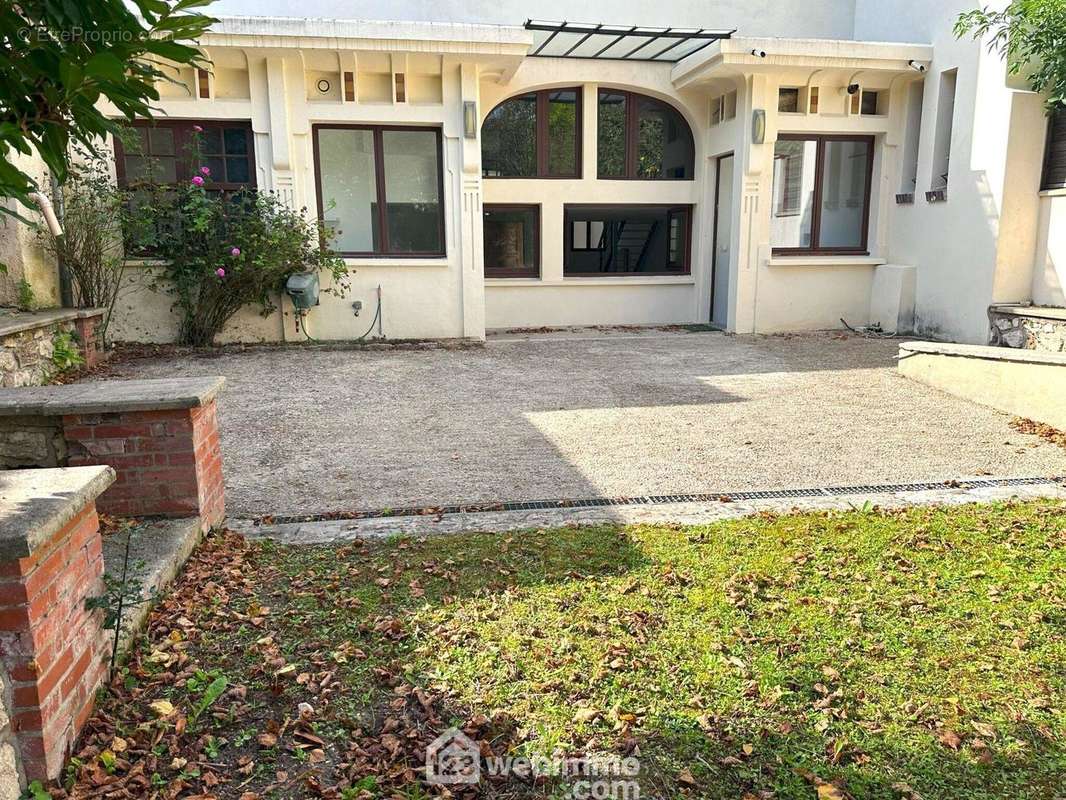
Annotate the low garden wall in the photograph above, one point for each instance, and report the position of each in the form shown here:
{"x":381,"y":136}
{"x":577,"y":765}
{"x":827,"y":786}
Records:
{"x":128,"y":448}
{"x":53,"y":648}
{"x":28,"y":342}
{"x":160,"y":436}
{"x":1027,"y":384}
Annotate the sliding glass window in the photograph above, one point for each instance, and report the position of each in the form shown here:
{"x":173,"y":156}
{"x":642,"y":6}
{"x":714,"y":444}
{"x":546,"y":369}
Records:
{"x":821,"y":200}
{"x":381,"y":188}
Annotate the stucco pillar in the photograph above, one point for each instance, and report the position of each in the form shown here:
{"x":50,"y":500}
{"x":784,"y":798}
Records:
{"x":278,"y":84}
{"x":470,"y":238}
{"x":751,"y":192}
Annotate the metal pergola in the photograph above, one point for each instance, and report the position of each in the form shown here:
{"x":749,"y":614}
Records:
{"x":619,"y":42}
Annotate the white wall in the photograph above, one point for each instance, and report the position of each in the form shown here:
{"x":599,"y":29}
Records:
{"x":825,"y":19}
{"x":979,"y":246}
{"x":1049,"y":274}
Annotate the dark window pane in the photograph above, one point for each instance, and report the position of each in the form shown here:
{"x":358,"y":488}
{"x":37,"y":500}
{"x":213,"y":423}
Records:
{"x":412,"y":191}
{"x":217,"y":165}
{"x":844,"y":176}
{"x":625,"y":239}
{"x":136,"y":141}
{"x":788,"y":100}
{"x":510,"y":241}
{"x":1055,"y":161}
{"x":665,"y":148}
{"x":611,"y":135}
{"x":237,"y":170}
{"x":236,"y":141}
{"x":869,"y":103}
{"x":136,"y":169}
{"x":562,"y":133}
{"x":162,"y":141}
{"x":509,"y":139}
{"x":211,"y":141}
{"x":165,"y":170}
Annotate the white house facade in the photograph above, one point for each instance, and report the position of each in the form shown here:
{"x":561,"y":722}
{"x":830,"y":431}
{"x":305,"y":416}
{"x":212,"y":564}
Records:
{"x":756,"y":166}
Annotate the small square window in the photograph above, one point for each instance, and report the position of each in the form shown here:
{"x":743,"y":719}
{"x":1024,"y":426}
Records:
{"x":788,"y":100}
{"x":869,"y":104}
{"x":512,"y":244}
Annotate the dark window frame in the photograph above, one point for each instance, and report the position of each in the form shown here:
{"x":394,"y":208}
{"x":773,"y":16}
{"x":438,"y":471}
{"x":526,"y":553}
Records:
{"x":590,"y":248}
{"x":671,"y":210}
{"x":381,"y":221}
{"x":632,"y":136}
{"x":504,"y":272}
{"x":816,"y":215}
{"x":184,"y":170}
{"x":1057,"y":119}
{"x":540,"y":134}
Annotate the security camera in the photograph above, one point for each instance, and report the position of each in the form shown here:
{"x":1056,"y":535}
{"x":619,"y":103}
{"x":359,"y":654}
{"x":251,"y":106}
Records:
{"x":916,"y":66}
{"x":853,"y":88}
{"x":758,"y":53}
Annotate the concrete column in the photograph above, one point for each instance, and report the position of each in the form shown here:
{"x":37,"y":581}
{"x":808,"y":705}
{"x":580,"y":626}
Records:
{"x":751,"y":192}
{"x":471,"y":237}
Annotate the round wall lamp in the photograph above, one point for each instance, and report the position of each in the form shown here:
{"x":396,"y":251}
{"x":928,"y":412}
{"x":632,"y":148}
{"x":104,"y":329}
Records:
{"x":323,"y":86}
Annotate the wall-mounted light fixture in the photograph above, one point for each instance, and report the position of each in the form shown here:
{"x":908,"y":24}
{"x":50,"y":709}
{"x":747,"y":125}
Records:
{"x":470,"y":119}
{"x":758,"y":126}
{"x":323,"y":86}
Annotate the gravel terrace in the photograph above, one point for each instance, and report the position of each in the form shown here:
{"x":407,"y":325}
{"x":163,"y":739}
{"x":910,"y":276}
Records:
{"x":615,"y":413}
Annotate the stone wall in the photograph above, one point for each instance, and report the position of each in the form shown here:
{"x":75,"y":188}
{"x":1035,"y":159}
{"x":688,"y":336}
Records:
{"x":1029,"y":328}
{"x":32,"y":441}
{"x":27,"y":343}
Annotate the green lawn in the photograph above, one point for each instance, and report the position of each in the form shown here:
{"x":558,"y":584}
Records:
{"x":876,"y":655}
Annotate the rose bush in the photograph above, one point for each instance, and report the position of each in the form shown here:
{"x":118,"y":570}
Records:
{"x":221,"y":252}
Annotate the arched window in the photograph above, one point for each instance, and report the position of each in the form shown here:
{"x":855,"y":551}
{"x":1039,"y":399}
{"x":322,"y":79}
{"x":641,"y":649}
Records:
{"x":642,"y":138}
{"x":534,"y":135}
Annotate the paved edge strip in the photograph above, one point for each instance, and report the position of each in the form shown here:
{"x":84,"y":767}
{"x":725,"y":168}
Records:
{"x":654,"y":500}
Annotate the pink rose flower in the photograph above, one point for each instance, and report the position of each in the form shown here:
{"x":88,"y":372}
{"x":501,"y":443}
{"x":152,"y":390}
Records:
{"x":236,"y":251}
{"x":205,"y":170}
{"x":197,"y":128}
{"x":220,"y":272}
{"x":197,"y":181}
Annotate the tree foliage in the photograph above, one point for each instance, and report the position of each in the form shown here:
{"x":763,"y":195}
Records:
{"x":60,"y":58}
{"x":1031,"y":36}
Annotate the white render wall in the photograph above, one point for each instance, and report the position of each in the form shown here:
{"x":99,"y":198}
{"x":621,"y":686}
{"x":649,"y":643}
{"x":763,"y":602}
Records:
{"x":980,"y":246}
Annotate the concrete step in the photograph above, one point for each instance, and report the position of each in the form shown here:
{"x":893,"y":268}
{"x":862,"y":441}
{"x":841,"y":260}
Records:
{"x":157,"y":550}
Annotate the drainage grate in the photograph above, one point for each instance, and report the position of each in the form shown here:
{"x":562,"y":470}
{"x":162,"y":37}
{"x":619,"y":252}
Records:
{"x":658,"y":500}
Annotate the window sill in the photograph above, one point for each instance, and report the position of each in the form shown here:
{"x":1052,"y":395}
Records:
{"x":825,"y":261}
{"x":1053,"y":193}
{"x":637,"y":280}
{"x":418,"y":261}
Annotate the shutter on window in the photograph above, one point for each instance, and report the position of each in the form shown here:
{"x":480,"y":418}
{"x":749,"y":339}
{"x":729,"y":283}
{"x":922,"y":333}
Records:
{"x":1055,"y":162}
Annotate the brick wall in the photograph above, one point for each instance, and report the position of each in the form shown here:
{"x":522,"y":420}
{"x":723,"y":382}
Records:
{"x":54,"y":651}
{"x":169,"y":463}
